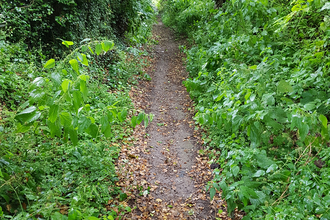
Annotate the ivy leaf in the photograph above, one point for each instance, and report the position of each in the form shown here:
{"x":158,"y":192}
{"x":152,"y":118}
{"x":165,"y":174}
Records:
{"x":49,"y":64}
{"x":98,"y":49}
{"x":74,"y":64}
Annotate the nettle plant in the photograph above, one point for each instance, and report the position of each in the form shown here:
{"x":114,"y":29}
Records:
{"x":58,"y":104}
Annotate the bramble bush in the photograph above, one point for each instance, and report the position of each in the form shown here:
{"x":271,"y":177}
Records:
{"x":260,"y":80}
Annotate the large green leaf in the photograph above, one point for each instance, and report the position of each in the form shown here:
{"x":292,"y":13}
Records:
{"x":75,"y":65}
{"x":284,"y":86}
{"x":83,"y":124}
{"x":77,"y":100}
{"x":212,"y":193}
{"x":303,"y":130}
{"x":49,"y":64}
{"x":66,"y":119}
{"x":53,"y":113}
{"x":98,"y":49}
{"x":83,"y":59}
{"x":323,"y":120}
{"x":83,"y":89}
{"x":73,"y":136}
{"x":93,"y":130}
{"x":66,"y":84}
{"x":28,"y":115}
{"x":107,"y":45}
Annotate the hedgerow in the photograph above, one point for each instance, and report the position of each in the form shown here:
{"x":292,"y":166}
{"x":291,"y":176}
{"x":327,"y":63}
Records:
{"x":259,"y":74}
{"x":65,"y":106}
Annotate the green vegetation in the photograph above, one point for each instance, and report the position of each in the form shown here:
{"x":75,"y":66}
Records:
{"x":65,"y":105}
{"x":260,"y":77}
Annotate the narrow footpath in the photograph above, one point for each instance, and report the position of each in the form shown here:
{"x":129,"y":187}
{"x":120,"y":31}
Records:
{"x":169,"y":173}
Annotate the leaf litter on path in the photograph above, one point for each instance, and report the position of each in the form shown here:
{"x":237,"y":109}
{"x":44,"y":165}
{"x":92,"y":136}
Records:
{"x":162,"y":173}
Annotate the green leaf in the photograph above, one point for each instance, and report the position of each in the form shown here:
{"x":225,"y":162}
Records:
{"x":55,"y":128}
{"x":146,"y":120}
{"x":326,"y":6}
{"x":122,"y":115}
{"x":324,"y":121}
{"x":107,"y":131}
{"x":90,"y":49}
{"x":75,"y":65}
{"x":92,"y":218}
{"x":234,"y":170}
{"x":212,"y":193}
{"x":151,"y":116}
{"x":284,"y":86}
{"x":49,"y":64}
{"x":28,"y":115}
{"x":77,"y":100}
{"x":122,"y":196}
{"x":67,"y":43}
{"x":22,"y":129}
{"x":83,"y":59}
{"x":53,"y":113}
{"x":58,"y":216}
{"x":253,"y":67}
{"x":107,"y":45}
{"x":65,"y":85}
{"x":303,"y":130}
{"x":133,"y":121}
{"x":259,"y":173}
{"x":98,"y":49}
{"x":83,"y":124}
{"x":140,"y":118}
{"x":93,"y":130}
{"x":66,"y":119}
{"x":83,"y":89}
{"x":74,"y":138}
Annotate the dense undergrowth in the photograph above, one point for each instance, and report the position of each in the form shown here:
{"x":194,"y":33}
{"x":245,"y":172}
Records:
{"x":62,"y":120}
{"x":259,"y":73}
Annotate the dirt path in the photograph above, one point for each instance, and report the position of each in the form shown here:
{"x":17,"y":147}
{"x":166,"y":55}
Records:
{"x":168,"y":174}
{"x":174,"y":151}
